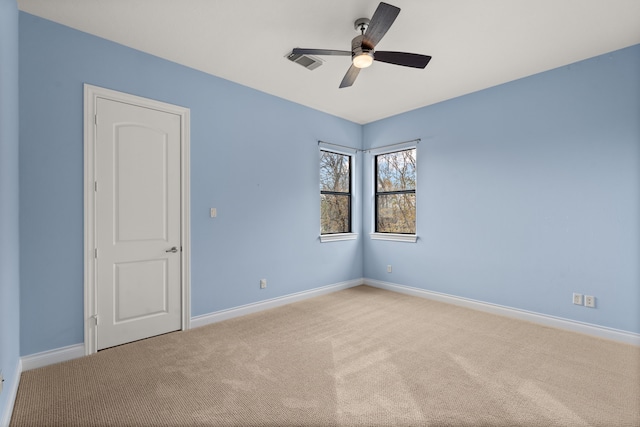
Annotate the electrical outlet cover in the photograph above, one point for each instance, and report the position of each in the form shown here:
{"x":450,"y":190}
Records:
{"x":590,"y":301}
{"x":577,"y":299}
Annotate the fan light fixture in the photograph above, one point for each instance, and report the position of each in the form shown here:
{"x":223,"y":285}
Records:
{"x":362,"y":46}
{"x":363,"y":60}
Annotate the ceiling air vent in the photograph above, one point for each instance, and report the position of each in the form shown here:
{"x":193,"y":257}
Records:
{"x":308,"y":62}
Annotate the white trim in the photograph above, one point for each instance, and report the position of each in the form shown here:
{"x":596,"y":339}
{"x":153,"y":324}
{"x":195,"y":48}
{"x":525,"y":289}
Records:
{"x":50,"y":357}
{"x":75,"y":351}
{"x":337,"y":237}
{"x":12,"y":389}
{"x":91,"y":94}
{"x":542,"y":319}
{"x":185,"y":215}
{"x":243,"y":310}
{"x":412,"y":238}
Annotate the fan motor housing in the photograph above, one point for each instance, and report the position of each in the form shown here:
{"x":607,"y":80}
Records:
{"x":358,"y":49}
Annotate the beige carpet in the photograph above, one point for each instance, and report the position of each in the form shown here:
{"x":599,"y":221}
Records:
{"x":359,"y":357}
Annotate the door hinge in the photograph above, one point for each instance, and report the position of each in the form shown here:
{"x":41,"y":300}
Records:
{"x":95,"y":119}
{"x":95,"y":253}
{"x":95,"y":319}
{"x":95,"y":185}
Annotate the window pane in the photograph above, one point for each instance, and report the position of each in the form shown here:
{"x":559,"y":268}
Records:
{"x":334,"y":213}
{"x":396,"y":171}
{"x":334,"y":172}
{"x":396,"y":213}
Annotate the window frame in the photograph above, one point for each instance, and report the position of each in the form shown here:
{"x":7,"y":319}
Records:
{"x":350,"y":235}
{"x":378,"y":235}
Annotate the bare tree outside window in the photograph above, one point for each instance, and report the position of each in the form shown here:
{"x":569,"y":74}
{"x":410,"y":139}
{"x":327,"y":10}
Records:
{"x":335,"y":193}
{"x":396,"y":192}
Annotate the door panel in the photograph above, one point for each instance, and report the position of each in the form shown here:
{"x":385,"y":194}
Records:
{"x":141,"y":290}
{"x":141,"y":208}
{"x":137,"y":218}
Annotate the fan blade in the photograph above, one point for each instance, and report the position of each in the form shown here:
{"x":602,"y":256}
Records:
{"x":402,"y":58}
{"x":380,"y":23}
{"x":301,"y":51}
{"x":350,"y":77}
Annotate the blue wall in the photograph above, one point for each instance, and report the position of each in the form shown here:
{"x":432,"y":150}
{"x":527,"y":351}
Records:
{"x":242,"y":145}
{"x":527,"y":192}
{"x":9,"y":238}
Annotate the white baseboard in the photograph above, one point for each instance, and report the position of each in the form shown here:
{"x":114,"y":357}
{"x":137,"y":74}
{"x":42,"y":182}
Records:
{"x":543,"y":319}
{"x":38,"y":360}
{"x":63,"y":354}
{"x":12,"y":389}
{"x":243,"y":310}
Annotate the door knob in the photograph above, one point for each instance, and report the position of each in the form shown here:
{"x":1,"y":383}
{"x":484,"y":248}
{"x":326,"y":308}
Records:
{"x":173,"y":250}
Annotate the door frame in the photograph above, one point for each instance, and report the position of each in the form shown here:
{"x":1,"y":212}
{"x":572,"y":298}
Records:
{"x":91,"y":95}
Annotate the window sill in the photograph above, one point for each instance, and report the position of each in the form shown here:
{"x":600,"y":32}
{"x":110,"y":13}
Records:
{"x":337,"y":237}
{"x":411,"y":238}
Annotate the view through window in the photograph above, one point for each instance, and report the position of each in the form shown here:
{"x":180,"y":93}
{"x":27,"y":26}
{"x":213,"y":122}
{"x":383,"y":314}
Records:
{"x":395,"y":196}
{"x":335,"y":193}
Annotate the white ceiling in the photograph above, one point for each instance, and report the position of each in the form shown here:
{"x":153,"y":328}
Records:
{"x":475,"y":44}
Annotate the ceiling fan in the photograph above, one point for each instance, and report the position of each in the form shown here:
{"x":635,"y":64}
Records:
{"x":362,"y":47}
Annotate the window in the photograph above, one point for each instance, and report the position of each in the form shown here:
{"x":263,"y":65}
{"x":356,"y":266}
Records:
{"x":395,"y":192}
{"x":335,"y":193}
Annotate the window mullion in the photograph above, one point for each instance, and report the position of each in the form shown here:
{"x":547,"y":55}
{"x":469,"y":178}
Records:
{"x":382,"y":193}
{"x":336,"y":193}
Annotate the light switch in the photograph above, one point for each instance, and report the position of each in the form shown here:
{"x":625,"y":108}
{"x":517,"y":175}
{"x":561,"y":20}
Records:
{"x":214,"y":212}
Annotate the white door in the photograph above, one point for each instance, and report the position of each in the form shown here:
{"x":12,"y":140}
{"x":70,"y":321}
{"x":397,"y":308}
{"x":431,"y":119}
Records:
{"x":137,"y":222}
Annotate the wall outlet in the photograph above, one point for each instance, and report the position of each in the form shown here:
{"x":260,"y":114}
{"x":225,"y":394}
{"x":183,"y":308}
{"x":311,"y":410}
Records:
{"x":213,"y":212}
{"x":388,"y":268}
{"x":577,"y":299}
{"x":263,"y":283}
{"x":590,"y":301}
